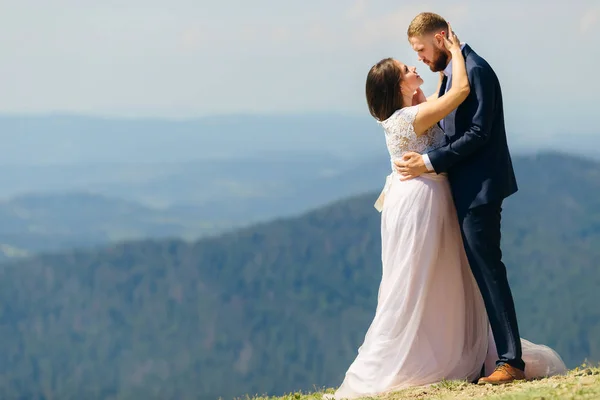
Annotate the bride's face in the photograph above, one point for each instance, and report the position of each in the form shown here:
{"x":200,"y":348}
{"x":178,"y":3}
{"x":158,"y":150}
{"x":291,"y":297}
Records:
{"x":410,"y":78}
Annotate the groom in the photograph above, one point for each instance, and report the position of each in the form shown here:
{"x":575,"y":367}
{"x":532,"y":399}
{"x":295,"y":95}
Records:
{"x":480,"y":171}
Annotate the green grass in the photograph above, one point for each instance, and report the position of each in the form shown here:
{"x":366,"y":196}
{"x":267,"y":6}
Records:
{"x":580,"y":383}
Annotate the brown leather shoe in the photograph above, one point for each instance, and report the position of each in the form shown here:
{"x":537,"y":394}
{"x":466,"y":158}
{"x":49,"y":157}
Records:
{"x":503,"y":374}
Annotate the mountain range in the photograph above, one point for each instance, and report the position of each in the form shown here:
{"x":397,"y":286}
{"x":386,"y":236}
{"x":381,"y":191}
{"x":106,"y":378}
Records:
{"x":277,"y":306}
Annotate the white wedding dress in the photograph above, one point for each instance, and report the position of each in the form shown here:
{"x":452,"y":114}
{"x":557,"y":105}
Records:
{"x":430,"y":323}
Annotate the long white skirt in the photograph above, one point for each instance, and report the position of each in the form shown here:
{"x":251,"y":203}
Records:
{"x":430,"y":323}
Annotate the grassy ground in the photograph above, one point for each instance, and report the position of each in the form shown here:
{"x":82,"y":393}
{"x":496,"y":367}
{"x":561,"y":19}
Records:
{"x":580,"y":383}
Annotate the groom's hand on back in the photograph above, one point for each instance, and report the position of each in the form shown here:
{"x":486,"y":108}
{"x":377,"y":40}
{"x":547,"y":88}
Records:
{"x":411,"y":166}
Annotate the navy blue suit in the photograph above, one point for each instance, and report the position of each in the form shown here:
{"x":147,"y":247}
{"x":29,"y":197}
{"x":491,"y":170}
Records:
{"x":479,"y":167}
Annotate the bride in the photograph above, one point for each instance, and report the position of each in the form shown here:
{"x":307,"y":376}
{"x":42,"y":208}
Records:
{"x":430,"y":323}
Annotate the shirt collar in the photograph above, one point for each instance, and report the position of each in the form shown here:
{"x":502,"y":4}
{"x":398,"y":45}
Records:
{"x":448,"y":69}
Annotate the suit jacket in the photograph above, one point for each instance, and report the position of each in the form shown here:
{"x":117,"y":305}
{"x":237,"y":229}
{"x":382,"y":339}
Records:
{"x":476,"y":155}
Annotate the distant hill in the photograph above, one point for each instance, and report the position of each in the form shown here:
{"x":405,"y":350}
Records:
{"x":40,"y":223}
{"x":171,"y":162}
{"x":186,"y":200}
{"x":277,"y":307}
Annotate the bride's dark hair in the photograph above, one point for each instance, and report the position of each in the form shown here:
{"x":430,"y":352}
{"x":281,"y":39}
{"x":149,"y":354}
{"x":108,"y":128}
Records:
{"x":383,"y":89}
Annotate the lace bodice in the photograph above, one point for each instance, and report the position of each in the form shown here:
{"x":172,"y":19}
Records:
{"x":400,"y":135}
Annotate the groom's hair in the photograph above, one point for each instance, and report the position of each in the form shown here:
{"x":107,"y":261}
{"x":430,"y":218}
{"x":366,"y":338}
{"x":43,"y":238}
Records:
{"x":426,"y":23}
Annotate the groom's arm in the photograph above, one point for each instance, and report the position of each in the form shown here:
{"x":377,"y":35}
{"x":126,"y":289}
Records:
{"x":483,"y":88}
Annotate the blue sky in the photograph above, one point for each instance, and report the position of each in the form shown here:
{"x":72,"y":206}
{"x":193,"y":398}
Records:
{"x":184,"y":58}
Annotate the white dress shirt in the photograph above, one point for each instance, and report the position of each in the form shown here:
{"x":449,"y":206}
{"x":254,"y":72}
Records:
{"x":448,"y":73}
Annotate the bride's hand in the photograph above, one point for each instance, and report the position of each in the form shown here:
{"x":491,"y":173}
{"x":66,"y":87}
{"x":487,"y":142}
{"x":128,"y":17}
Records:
{"x":418,"y":97}
{"x":451,"y":40}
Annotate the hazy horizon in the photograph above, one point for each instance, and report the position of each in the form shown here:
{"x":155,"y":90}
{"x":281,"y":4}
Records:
{"x":189,"y":59}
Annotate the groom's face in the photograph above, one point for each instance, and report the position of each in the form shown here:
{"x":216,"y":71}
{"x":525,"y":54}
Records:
{"x":429,"y":51}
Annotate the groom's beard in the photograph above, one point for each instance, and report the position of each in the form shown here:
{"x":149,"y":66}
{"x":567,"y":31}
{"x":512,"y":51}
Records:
{"x":440,"y":61}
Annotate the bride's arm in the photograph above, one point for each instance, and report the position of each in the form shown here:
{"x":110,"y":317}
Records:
{"x":437,"y":91}
{"x":433,"y":111}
